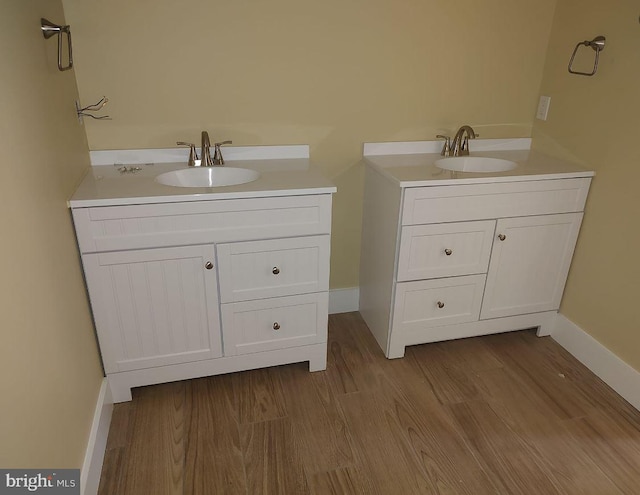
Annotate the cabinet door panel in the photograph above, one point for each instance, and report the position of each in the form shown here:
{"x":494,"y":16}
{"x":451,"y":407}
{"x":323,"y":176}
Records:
{"x":529,"y":267}
{"x":154,"y":307}
{"x":444,"y":250}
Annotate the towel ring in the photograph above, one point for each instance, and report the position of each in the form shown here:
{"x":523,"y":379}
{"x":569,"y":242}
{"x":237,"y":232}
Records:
{"x":50,"y":29}
{"x":597,"y":44}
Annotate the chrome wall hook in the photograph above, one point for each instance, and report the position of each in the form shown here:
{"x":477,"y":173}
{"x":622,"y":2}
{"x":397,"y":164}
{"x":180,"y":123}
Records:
{"x":50,"y":29}
{"x":82,"y":111}
{"x":597,"y":44}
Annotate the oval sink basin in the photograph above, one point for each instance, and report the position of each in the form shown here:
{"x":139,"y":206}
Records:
{"x":475,"y":164}
{"x":208,"y":177}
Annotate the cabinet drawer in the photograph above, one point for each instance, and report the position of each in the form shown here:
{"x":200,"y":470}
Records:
{"x":445,"y":250}
{"x":110,"y":228}
{"x":431,"y":303}
{"x":484,"y":201}
{"x":268,"y":324}
{"x":278,"y":267}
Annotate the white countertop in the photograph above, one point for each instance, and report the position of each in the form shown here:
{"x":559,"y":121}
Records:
{"x":104,"y":185}
{"x":419,"y":169}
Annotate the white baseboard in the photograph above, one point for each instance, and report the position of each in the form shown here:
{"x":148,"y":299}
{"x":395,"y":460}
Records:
{"x":621,"y":377}
{"x":94,"y":455}
{"x":344,"y":300}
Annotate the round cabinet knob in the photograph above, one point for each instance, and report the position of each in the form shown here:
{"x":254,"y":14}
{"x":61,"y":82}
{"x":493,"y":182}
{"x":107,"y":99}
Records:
{"x":275,"y":271}
{"x":276,"y":326}
{"x":502,"y":237}
{"x":208,"y":265}
{"x":440,"y":304}
{"x":448,"y":252}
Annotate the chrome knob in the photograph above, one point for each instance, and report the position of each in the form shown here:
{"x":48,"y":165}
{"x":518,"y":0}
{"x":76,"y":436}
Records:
{"x":276,"y":326}
{"x":502,"y":237}
{"x":275,"y":270}
{"x":208,"y":265}
{"x":448,"y":252}
{"x":440,"y":304}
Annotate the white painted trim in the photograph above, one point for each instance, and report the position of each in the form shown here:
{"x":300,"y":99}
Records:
{"x":171,"y":155}
{"x":94,"y":455}
{"x":416,"y":147}
{"x":621,"y":377}
{"x":344,"y":300}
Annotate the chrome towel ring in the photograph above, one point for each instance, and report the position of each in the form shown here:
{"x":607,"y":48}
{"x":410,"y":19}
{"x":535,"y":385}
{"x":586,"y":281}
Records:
{"x":50,"y":29}
{"x":597,"y":44}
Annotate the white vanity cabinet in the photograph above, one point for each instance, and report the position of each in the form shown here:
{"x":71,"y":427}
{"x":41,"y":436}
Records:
{"x":187,"y":289}
{"x":447,"y":261}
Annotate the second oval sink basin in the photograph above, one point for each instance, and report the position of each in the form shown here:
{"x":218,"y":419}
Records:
{"x":475,"y":164}
{"x":208,"y":177}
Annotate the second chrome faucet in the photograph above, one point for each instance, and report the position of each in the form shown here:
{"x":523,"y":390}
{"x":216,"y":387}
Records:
{"x":459,"y":145}
{"x":206,"y":159}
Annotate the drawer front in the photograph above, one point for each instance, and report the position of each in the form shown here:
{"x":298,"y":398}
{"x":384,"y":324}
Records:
{"x":278,"y":323}
{"x":110,"y":228}
{"x":432,"y":303}
{"x":445,"y":250}
{"x":273,"y":268}
{"x":485,"y":201}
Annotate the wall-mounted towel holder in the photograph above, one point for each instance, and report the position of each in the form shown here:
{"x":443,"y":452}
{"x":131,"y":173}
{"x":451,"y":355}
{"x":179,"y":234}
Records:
{"x":597,"y":44}
{"x":50,"y":29}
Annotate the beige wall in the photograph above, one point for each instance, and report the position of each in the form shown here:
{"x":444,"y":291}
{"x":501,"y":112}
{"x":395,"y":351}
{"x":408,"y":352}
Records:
{"x":331,"y":74}
{"x":50,"y":372}
{"x":597,"y":121}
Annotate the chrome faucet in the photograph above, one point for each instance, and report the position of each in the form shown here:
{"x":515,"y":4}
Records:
{"x":205,"y":152}
{"x":459,"y":145}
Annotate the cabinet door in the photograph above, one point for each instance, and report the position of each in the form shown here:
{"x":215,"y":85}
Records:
{"x":154,"y":307}
{"x":529,"y":264}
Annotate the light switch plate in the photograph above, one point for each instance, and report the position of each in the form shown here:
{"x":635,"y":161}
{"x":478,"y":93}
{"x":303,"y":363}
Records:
{"x":543,"y":107}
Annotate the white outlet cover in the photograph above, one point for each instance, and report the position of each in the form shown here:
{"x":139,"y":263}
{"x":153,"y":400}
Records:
{"x":543,"y":107}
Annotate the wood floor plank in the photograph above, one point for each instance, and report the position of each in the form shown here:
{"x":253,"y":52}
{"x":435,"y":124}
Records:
{"x":431,"y":434}
{"x":503,"y":414}
{"x":113,"y":470}
{"x":272,"y":460}
{"x":121,"y":421}
{"x":155,"y":457}
{"x":613,"y":446}
{"x":317,"y":423}
{"x":564,"y":461}
{"x":259,"y":395}
{"x":343,"y":481}
{"x":213,"y":456}
{"x":381,"y":452}
{"x":543,"y":377}
{"x":447,"y":372}
{"x":349,"y":364}
{"x":505,"y":458}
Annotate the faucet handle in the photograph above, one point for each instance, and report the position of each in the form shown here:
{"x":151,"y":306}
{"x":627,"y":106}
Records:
{"x":193,"y":154}
{"x":217,"y":152}
{"x":446,"y":148}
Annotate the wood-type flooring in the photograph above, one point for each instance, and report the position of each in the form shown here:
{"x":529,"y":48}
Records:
{"x":502,"y":414}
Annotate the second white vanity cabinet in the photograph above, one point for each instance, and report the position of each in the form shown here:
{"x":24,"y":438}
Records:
{"x":444,"y":259}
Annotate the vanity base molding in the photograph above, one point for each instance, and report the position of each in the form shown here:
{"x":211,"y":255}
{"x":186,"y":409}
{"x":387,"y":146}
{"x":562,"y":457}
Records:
{"x":544,"y":322}
{"x":122,"y":383}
